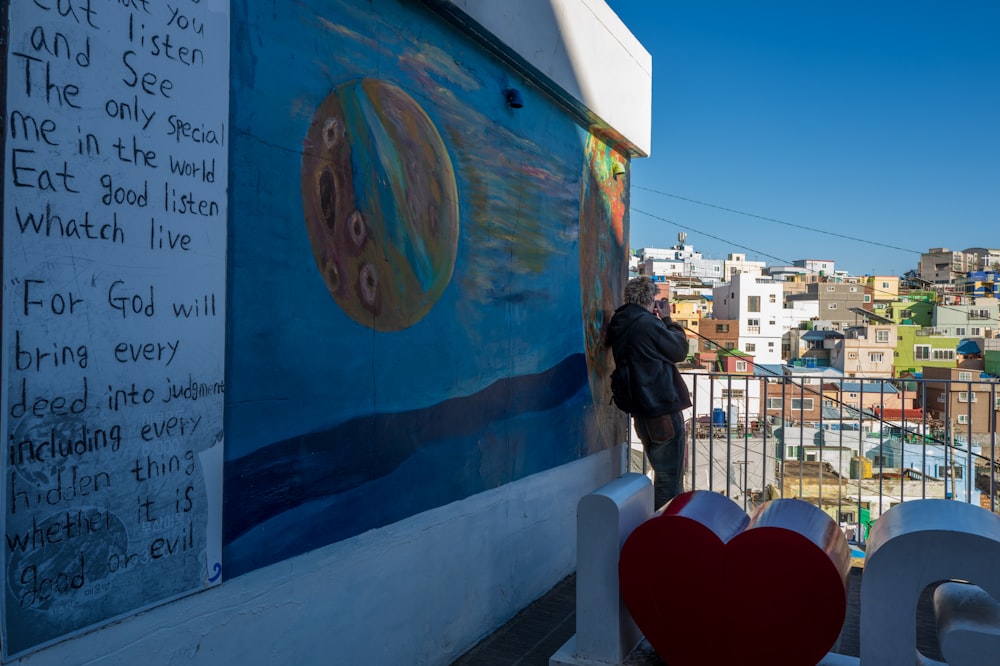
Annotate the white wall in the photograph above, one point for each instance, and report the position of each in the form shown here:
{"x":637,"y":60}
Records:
{"x":585,"y":49}
{"x":389,"y":596}
{"x":730,"y":302}
{"x":797,"y":312}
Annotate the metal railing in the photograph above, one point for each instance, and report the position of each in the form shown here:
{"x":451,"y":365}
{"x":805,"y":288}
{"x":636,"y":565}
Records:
{"x":853,"y":447}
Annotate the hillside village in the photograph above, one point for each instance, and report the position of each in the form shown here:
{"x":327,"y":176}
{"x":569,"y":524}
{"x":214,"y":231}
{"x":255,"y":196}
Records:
{"x":882,"y":381}
{"x":944,"y":314}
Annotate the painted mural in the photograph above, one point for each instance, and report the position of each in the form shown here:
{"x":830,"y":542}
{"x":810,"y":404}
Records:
{"x":380,"y":202}
{"x":419,"y":275}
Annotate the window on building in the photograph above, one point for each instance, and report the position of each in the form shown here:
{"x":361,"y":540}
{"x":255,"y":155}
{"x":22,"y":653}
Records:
{"x":730,"y":346}
{"x":868,"y":298}
{"x":853,"y":290}
{"x":963,"y":419}
{"x":963,"y":396}
{"x":774,"y":403}
{"x":944,"y":355}
{"x":959,"y":330}
{"x":770,"y":345}
{"x":722,"y":328}
{"x":885,"y":285}
{"x":830,"y":289}
{"x":751,"y":347}
{"x":975,"y":331}
{"x":772,"y":298}
{"x":881,"y":335}
{"x":852,"y":355}
{"x":741,"y":366}
{"x":753,"y":323}
{"x":805,"y":404}
{"x":922,"y":352}
{"x":831,"y":306}
{"x":965,"y":376}
{"x":875,"y":357}
{"x":753,"y":303}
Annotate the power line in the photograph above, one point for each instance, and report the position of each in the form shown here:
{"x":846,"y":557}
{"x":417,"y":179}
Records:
{"x":728,"y":241}
{"x":703,"y":233}
{"x":776,"y":221}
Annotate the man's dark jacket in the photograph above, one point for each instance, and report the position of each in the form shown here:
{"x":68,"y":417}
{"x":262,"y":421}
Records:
{"x":650,"y":347}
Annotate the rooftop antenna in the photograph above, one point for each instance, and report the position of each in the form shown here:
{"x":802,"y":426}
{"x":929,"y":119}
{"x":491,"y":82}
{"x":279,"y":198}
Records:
{"x":682,"y":236}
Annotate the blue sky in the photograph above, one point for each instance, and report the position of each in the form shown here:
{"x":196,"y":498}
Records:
{"x":875,"y":121}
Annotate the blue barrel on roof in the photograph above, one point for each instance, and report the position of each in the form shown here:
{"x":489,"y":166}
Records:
{"x":718,"y":416}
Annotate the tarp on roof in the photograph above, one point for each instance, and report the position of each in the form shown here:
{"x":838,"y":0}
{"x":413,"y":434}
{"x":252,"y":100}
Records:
{"x":767,"y":370}
{"x":868,"y":387}
{"x":967,"y":346}
{"x":831,"y":413}
{"x":822,"y":335}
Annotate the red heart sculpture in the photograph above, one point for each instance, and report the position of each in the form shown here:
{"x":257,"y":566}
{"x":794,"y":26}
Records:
{"x":708,"y":585}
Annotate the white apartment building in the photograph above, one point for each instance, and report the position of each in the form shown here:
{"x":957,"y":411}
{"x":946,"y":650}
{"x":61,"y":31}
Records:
{"x":681,"y":261}
{"x":756,"y":303}
{"x":736,"y":263}
{"x":818,"y":267}
{"x":794,"y":313}
{"x":658,"y":267}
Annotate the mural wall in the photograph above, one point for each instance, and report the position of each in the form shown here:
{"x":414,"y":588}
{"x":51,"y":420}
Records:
{"x":419,"y":275}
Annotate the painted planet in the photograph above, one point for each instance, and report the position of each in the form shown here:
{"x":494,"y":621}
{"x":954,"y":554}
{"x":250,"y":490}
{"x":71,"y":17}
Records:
{"x":381,"y":204}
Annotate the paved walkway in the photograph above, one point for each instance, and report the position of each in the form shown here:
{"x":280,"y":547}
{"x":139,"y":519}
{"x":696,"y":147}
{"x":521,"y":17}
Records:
{"x":538,"y":631}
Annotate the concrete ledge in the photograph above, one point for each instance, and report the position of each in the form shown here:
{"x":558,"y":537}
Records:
{"x":605,"y":632}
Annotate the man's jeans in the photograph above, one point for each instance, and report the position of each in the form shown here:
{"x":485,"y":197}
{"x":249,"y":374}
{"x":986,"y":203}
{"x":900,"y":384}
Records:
{"x":663,"y":439}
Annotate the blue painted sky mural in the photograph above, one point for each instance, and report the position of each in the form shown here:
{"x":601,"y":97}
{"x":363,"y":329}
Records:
{"x":408,"y":283}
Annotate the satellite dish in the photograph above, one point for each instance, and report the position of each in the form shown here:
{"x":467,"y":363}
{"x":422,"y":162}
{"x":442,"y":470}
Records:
{"x":681,"y":237}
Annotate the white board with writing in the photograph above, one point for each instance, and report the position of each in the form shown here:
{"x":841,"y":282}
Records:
{"x":113,"y":337}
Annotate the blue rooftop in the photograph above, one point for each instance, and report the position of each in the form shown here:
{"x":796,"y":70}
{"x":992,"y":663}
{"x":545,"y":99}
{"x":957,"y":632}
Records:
{"x":871,"y":387}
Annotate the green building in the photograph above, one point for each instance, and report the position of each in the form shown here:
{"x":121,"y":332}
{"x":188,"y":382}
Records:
{"x":916,"y":308}
{"x":917,"y":346}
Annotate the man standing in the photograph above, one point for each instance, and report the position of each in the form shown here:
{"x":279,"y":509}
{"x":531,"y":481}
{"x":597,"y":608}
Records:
{"x":649,"y":343}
